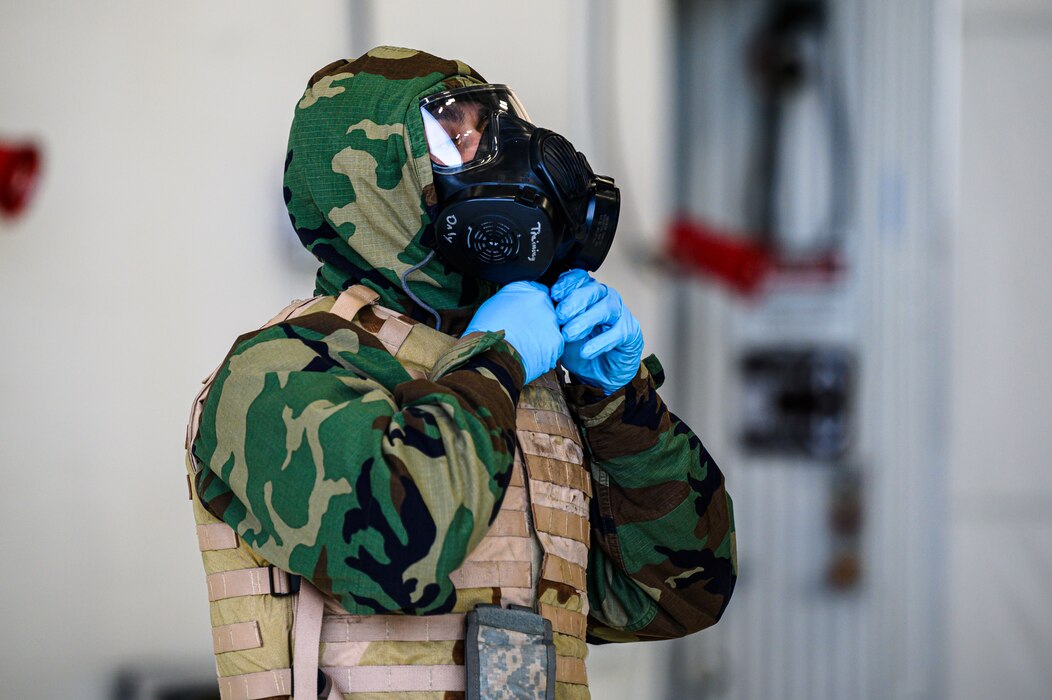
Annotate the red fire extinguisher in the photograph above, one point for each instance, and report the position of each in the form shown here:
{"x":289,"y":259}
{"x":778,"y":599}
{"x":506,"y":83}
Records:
{"x":19,"y":168}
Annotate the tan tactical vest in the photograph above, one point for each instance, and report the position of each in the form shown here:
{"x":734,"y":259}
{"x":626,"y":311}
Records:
{"x":265,"y":633}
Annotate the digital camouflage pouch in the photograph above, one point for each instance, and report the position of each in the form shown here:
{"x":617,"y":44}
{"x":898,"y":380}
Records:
{"x":509,"y":654}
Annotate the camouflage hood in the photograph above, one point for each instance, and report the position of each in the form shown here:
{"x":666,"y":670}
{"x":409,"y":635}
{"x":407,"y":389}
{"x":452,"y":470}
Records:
{"x":358,"y":183}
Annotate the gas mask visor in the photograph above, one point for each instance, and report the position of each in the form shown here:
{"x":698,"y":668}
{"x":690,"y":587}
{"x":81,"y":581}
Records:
{"x":457,"y":123}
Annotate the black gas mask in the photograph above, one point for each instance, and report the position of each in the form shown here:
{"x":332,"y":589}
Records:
{"x":516,"y":202}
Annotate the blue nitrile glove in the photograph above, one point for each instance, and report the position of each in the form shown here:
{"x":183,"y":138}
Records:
{"x":603,"y":340}
{"x":524,"y":311}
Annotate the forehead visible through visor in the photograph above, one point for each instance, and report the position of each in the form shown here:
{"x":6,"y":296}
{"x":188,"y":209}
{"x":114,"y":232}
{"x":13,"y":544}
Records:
{"x":456,"y":123}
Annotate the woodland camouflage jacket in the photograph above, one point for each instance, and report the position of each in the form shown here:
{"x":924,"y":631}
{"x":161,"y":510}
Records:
{"x":333,"y":463}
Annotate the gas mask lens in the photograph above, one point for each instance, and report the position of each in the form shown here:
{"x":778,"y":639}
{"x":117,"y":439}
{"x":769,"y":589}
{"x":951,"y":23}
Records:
{"x":457,"y":124}
{"x":515,"y":202}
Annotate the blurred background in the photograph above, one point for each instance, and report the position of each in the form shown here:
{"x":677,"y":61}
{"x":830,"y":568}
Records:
{"x":833,"y":233}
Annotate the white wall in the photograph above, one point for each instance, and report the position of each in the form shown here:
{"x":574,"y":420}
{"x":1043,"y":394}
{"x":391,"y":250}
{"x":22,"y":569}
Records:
{"x":158,"y":235}
{"x":1001,"y":483}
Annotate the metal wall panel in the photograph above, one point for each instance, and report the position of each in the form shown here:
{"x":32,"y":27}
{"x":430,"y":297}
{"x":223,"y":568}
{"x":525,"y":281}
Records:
{"x":787,"y":634}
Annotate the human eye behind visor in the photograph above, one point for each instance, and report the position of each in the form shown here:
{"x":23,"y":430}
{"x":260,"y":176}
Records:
{"x":455,"y":132}
{"x":457,"y":123}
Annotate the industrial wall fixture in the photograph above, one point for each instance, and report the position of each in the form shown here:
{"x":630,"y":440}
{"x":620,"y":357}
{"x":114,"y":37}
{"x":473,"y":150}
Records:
{"x":800,"y":182}
{"x":19,"y":171}
{"x":814,"y":177}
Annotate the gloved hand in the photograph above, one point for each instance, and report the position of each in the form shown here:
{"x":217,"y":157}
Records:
{"x":603,"y":340}
{"x":524,"y":311}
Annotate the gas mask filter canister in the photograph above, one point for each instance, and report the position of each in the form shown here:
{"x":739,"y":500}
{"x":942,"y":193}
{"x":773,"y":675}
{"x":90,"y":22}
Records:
{"x":516,"y":202}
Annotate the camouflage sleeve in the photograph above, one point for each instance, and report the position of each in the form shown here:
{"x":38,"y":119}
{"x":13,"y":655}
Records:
{"x":662,"y":562}
{"x":331,"y":462}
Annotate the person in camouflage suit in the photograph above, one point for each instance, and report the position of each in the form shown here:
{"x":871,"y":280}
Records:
{"x":333,"y":463}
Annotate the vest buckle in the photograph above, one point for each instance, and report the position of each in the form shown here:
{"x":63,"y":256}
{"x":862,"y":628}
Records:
{"x":282,"y":583}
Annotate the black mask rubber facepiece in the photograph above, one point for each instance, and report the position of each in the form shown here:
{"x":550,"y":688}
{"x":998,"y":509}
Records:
{"x":530,"y":210}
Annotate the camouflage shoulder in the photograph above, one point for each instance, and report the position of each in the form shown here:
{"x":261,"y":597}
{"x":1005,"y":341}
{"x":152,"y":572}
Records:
{"x":652,"y":366}
{"x":470,"y":346}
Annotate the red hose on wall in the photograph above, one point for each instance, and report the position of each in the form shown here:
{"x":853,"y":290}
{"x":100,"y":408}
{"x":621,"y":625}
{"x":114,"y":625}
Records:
{"x":740,"y":261}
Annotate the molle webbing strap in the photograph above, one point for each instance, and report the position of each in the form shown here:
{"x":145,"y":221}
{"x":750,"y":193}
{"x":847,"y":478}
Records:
{"x":570,"y":669}
{"x":503,"y":563}
{"x":481,"y":574}
{"x":559,"y":488}
{"x":503,"y":559}
{"x":385,"y":628}
{"x":565,"y":621}
{"x":553,"y":447}
{"x":545,"y":493}
{"x":558,"y":522}
{"x":259,"y":581}
{"x":352,"y":300}
{"x":565,"y":548}
{"x":215,"y":536}
{"x":397,"y":679}
{"x":306,"y":641}
{"x":510,"y":523}
{"x":236,"y":637}
{"x":502,"y":549}
{"x":555,"y":471}
{"x":550,"y":422}
{"x":396,"y":327}
{"x":518,"y":596}
{"x":393,"y":333}
{"x":561,"y":570}
{"x":395,"y":330}
{"x":254,"y":686}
